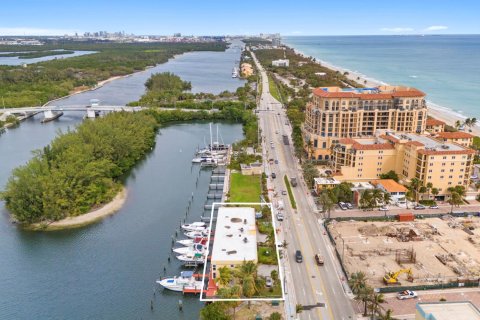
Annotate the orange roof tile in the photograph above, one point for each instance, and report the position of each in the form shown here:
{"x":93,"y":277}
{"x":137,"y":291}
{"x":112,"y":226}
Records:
{"x":390,"y":185}
{"x":368,"y":96}
{"x":408,"y":93}
{"x":434,"y":122}
{"x":388,"y":137}
{"x":374,"y":96}
{"x":346,"y":141}
{"x":445,"y":152}
{"x":414,"y":143}
{"x":378,"y":146}
{"x":454,"y":135}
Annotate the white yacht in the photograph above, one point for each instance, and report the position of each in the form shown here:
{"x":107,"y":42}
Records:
{"x":196,"y":234}
{"x":197,"y":258}
{"x":195,"y":226}
{"x":234,"y":73}
{"x":186,"y":281}
{"x":189,"y":242}
{"x":194,"y":248}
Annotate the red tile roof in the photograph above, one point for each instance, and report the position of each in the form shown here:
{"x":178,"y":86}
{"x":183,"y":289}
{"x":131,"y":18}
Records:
{"x":388,"y":137}
{"x":378,"y":146}
{"x":454,"y":135}
{"x":347,"y":141}
{"x":445,"y":152}
{"x":434,"y":122}
{"x":414,"y":143}
{"x":369,"y":96}
{"x":390,"y":185}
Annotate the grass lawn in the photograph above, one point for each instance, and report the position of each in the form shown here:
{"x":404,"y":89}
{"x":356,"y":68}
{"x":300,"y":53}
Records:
{"x":290,"y":192}
{"x":244,"y":188}
{"x":273,"y":89}
{"x":267,"y":255}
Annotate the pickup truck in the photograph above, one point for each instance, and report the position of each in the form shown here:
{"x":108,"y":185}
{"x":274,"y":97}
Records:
{"x":319,"y":259}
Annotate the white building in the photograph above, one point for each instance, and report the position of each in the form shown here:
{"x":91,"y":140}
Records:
{"x":281,"y":63}
{"x":458,"y":310}
{"x":235,"y":238}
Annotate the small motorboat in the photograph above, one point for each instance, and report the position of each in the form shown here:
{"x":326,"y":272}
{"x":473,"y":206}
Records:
{"x":185,"y":282}
{"x":189,"y":242}
{"x":195,"y":226}
{"x":197,"y":258}
{"x":196,"y":234}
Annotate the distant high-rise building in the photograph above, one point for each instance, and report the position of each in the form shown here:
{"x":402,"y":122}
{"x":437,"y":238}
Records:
{"x":177,"y":35}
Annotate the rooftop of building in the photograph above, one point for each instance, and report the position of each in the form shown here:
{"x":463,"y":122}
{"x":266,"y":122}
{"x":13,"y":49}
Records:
{"x":454,"y":135}
{"x":375,"y":93}
{"x":461,"y":310}
{"x":390,"y":185}
{"x":385,"y":140}
{"x":434,"y":122}
{"x":323,"y":181}
{"x":235,"y":235}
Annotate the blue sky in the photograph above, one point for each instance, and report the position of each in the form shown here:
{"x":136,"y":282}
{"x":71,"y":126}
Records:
{"x":212,"y":17}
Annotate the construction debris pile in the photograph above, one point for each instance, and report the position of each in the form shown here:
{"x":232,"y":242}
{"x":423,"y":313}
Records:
{"x":428,"y":251}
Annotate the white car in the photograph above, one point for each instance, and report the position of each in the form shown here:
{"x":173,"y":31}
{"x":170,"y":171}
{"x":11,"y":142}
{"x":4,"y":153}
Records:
{"x":384,"y":208}
{"x":407,"y":294}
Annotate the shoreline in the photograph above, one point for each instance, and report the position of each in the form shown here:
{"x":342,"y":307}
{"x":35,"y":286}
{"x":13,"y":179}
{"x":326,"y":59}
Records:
{"x":85,"y":219}
{"x":436,"y":111}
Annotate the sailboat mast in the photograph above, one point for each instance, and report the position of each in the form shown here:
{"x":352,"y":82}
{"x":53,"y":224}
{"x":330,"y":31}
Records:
{"x":211,"y":141}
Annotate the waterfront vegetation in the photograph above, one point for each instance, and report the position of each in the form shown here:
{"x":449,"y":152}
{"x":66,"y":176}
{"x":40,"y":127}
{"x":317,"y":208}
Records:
{"x":80,"y":169}
{"x":290,"y":192}
{"x":41,"y":82}
{"x":243,"y":157}
{"x":244,"y":188}
{"x":273,"y":89}
{"x":36,"y":54}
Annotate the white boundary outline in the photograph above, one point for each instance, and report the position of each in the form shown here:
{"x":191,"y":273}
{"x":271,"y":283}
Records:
{"x":280,"y":272}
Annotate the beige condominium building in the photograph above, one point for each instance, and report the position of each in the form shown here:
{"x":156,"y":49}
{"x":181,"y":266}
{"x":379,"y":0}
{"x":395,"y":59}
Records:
{"x":336,"y":113}
{"x":410,"y":155}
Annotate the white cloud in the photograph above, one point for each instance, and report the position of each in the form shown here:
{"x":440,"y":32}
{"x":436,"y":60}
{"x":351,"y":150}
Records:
{"x":398,"y":29}
{"x":436,"y":28}
{"x":20,"y":31}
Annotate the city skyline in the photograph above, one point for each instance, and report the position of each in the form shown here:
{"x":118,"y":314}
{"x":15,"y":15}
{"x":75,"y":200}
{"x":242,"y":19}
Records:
{"x":217,"y":17}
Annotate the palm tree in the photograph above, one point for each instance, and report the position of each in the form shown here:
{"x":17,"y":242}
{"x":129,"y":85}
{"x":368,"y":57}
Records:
{"x":234,"y":292}
{"x":359,"y":287}
{"x":377,"y":196}
{"x":429,"y":188}
{"x":455,"y":197}
{"x":435,"y":192}
{"x":409,"y":196}
{"x":225,"y":276}
{"x":422,"y":190}
{"x":387,"y":197}
{"x":327,"y":203}
{"x":376,"y":299}
{"x":366,"y":199}
{"x":388,"y":315}
{"x":415,"y":184}
{"x":298,"y":308}
{"x":458,"y":124}
{"x":247,"y":273}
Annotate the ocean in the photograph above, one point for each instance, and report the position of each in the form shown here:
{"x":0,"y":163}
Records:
{"x":445,"y":67}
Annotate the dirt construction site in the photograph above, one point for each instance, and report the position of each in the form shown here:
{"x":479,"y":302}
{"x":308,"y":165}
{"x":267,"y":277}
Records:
{"x":421,"y":252}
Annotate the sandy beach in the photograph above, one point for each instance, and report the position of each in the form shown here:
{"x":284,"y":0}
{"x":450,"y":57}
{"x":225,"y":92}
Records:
{"x":441,"y":113}
{"x":87,"y":218}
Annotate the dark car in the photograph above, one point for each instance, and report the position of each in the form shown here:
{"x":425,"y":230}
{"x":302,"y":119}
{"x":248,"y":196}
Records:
{"x":298,"y":256}
{"x":274,"y":175}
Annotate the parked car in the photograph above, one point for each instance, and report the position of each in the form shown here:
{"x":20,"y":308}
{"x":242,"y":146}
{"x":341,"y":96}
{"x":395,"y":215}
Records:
{"x":383,"y":208}
{"x":433,"y":206}
{"x":276,"y":161}
{"x":407,"y":294}
{"x":280,"y":216}
{"x":298,"y":256}
{"x":276,"y":131}
{"x":319,"y":259}
{"x":349,"y":205}
{"x":268,"y":282}
{"x":284,"y":192}
{"x":342,"y":205}
{"x":419,"y":207}
{"x":274,"y":175}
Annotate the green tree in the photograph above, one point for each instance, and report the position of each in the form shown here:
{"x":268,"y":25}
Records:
{"x":275,"y":316}
{"x":456,"y":194}
{"x":375,"y":302}
{"x":415,"y":185}
{"x":214,"y":311}
{"x":390,"y":175}
{"x":225,"y":276}
{"x":435,"y":192}
{"x":298,"y":308}
{"x":429,"y":187}
{"x":326,"y":202}
{"x":388,"y":315}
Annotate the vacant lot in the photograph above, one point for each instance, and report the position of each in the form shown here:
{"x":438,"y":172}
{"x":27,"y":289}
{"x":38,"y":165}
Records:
{"x":436,"y":250}
{"x":244,"y":188}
